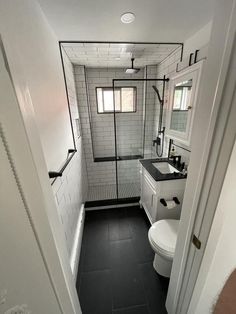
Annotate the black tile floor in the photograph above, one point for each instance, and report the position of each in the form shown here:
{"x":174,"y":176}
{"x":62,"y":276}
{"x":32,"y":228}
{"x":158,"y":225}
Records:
{"x":115,"y":274}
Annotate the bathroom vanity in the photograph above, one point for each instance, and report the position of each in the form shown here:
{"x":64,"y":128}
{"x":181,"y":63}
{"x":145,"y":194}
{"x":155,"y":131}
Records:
{"x":161,"y":181}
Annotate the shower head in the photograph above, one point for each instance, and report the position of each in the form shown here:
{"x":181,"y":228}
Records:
{"x":132,"y":70}
{"x":158,"y":94}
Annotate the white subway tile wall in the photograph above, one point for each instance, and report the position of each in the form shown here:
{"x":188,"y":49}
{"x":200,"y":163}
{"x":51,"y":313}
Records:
{"x":70,"y":190}
{"x":129,"y":127}
{"x":168,"y":68}
{"x":98,"y":173}
{"x":150,"y":98}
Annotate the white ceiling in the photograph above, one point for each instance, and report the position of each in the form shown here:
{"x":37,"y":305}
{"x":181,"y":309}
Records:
{"x":117,"y":55}
{"x":99,"y":20}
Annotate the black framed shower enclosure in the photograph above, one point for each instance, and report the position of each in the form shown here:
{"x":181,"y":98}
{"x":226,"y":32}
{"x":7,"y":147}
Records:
{"x":133,"y":136}
{"x":120,"y":157}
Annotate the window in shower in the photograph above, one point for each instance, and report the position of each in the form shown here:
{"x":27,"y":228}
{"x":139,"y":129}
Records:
{"x":125,"y":99}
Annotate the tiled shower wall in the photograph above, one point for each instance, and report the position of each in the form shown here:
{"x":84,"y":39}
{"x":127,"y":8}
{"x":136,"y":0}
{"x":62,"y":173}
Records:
{"x":168,"y":68}
{"x":102,"y":173}
{"x":70,"y":190}
{"x":150,"y":98}
{"x":128,"y":125}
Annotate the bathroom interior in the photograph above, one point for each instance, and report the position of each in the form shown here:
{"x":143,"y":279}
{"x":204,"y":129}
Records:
{"x":136,"y":105}
{"x":117,"y":128}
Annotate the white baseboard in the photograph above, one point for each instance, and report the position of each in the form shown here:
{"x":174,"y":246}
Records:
{"x":76,"y":248}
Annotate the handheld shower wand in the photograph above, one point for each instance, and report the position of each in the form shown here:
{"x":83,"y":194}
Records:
{"x":157,"y":92}
{"x":161,"y":130}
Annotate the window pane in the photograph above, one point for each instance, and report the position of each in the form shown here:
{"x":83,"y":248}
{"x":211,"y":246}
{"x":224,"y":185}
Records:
{"x":177,"y":99}
{"x":99,"y":100}
{"x":182,"y":95}
{"x":186,"y":98}
{"x":127,"y":99}
{"x":117,"y":99}
{"x":108,"y":100}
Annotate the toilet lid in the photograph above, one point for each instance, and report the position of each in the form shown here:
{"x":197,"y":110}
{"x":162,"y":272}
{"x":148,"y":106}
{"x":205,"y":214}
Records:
{"x":163,"y":235}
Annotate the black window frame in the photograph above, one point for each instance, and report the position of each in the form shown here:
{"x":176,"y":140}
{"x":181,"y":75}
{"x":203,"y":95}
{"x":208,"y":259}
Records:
{"x":117,"y":88}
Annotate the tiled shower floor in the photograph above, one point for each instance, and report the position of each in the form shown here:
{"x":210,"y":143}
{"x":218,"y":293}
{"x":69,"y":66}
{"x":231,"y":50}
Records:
{"x":116,"y":275}
{"x":105,"y":192}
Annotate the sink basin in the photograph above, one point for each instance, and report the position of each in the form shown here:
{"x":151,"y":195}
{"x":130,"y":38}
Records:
{"x":165,"y":167}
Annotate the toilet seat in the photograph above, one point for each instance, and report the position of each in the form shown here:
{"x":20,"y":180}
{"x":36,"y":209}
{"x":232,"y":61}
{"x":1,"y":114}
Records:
{"x":163,"y":235}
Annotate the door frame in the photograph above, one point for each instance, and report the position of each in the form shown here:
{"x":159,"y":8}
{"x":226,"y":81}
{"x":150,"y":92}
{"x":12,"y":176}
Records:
{"x":213,"y":140}
{"x":214,"y":217}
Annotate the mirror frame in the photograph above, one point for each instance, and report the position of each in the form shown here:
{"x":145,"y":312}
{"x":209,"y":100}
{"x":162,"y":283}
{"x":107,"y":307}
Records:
{"x":193,"y":72}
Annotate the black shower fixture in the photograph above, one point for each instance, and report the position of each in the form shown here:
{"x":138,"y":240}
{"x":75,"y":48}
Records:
{"x":159,"y":141}
{"x":132,"y":70}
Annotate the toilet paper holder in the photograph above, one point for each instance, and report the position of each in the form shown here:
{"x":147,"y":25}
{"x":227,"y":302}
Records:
{"x":175,"y":199}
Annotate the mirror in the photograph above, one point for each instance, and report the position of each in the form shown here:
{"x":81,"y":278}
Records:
{"x":181,"y":108}
{"x":181,"y":105}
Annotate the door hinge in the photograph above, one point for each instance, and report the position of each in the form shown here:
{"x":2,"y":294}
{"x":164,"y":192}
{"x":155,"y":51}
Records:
{"x":196,"y":242}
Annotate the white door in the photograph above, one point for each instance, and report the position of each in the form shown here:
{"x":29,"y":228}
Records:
{"x":211,"y":190}
{"x":213,"y":141}
{"x":33,"y":276}
{"x":24,"y":281}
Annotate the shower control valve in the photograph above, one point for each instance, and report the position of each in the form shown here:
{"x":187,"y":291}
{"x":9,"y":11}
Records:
{"x":157,"y":141}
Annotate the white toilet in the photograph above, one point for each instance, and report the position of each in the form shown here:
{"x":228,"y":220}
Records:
{"x":162,"y":237}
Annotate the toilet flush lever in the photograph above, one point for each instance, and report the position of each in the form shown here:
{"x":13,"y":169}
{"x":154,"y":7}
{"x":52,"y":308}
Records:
{"x":196,"y":242}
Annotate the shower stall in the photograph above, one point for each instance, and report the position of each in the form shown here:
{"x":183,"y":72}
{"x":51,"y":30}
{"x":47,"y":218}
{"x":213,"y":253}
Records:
{"x":125,"y":121}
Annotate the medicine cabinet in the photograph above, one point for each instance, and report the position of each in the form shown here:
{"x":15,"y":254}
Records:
{"x":182,"y":103}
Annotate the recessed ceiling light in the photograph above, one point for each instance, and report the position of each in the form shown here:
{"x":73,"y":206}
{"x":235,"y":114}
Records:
{"x":127,"y":17}
{"x":118,"y":58}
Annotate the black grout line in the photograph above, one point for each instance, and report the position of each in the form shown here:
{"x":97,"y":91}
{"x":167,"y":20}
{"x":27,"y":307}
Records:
{"x":129,"y":307}
{"x":96,"y":270}
{"x":145,"y":294}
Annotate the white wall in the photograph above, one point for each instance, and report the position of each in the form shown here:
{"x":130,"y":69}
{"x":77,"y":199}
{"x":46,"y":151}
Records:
{"x":220,"y":259}
{"x":33,"y":52}
{"x":41,"y":67}
{"x":35,"y":248}
{"x":33,"y":55}
{"x":198,"y":40}
{"x":70,"y":190}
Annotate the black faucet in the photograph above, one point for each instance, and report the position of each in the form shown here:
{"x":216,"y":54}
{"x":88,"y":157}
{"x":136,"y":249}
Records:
{"x":176,"y":160}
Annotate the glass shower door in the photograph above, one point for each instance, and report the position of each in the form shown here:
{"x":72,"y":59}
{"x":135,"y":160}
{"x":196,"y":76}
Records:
{"x":129,"y":119}
{"x":135,"y":128}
